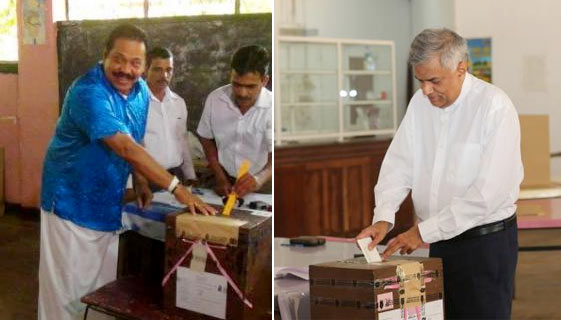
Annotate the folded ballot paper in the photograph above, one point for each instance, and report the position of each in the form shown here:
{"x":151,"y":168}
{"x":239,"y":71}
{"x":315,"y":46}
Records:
{"x":370,"y":255}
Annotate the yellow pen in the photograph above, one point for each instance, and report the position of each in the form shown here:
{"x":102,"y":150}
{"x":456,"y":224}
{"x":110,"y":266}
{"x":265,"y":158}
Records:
{"x":244,"y":168}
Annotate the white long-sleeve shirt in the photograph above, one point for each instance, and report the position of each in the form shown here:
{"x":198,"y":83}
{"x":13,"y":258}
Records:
{"x":166,"y":133}
{"x":462,"y":163}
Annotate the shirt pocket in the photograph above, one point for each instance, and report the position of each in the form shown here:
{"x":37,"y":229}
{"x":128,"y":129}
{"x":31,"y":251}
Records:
{"x":179,"y":127}
{"x":466,"y":159}
{"x":255,"y":133}
{"x":151,"y":128}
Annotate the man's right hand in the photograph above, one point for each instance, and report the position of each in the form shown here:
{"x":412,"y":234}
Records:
{"x":223,"y":186}
{"x":376,"y":232}
{"x":192,"y":201}
{"x":245,"y":184}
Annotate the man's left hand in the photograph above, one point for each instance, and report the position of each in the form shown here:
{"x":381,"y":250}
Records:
{"x":246,"y":184}
{"x":406,"y":242}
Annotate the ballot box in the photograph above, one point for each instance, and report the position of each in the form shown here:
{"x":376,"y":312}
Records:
{"x":399,"y":288}
{"x":218,"y":266}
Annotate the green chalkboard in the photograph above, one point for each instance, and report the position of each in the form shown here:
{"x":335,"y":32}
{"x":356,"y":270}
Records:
{"x":202,"y":48}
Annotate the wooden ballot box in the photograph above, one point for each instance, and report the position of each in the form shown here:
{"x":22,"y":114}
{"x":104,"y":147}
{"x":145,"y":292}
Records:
{"x":401,"y":288}
{"x":218,"y":266}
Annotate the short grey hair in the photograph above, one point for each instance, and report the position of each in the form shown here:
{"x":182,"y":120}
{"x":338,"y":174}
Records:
{"x":441,"y":43}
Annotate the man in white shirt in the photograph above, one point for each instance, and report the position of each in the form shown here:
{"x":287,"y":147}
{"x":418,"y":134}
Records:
{"x":166,"y":128}
{"x":458,"y":151}
{"x":236,"y":125}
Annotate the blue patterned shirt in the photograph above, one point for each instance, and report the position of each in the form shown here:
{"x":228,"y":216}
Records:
{"x":83,"y":179}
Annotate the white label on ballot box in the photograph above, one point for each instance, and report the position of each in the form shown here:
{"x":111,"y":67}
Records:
{"x":201,"y":292}
{"x":433,"y":310}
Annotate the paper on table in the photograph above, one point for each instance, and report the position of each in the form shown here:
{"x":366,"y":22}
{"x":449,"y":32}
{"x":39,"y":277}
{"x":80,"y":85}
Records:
{"x":370,"y":255}
{"x":300,"y":272}
{"x":433,"y":310}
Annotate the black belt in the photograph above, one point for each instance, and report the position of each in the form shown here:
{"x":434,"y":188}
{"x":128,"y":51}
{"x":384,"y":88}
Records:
{"x":486,"y":229}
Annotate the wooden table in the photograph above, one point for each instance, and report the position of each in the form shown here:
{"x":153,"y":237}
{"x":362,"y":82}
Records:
{"x":539,"y":224}
{"x":128,"y":298}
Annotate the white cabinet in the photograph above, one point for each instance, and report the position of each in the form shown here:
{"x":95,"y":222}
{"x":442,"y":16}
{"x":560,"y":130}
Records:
{"x":332,"y":89}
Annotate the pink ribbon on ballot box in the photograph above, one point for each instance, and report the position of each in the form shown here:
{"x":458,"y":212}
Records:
{"x":218,"y":264}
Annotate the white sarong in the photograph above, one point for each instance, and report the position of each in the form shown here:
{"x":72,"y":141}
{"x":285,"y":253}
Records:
{"x":74,"y":261}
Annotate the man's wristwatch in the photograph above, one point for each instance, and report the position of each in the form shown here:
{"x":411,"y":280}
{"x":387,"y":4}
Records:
{"x":173,"y":185}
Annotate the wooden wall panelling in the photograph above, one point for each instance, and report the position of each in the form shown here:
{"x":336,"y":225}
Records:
{"x":343,"y":194}
{"x":313,"y":206}
{"x":289,"y":181}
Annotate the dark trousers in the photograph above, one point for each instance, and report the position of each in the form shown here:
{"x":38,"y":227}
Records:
{"x":479,"y":274}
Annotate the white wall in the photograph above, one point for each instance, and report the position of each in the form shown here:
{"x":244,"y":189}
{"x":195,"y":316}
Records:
{"x":365,"y":19}
{"x":526,"y":46}
{"x":431,"y":14}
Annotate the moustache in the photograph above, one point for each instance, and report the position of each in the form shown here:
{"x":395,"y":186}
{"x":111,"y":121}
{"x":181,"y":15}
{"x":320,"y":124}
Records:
{"x":123,"y":75}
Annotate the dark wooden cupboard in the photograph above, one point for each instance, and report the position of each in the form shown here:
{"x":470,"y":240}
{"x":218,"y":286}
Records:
{"x":328,"y":189}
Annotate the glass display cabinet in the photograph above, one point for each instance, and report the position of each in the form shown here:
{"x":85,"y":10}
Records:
{"x":333,"y":89}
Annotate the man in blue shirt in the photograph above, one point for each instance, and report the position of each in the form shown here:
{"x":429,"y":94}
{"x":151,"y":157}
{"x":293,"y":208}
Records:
{"x":95,"y":147}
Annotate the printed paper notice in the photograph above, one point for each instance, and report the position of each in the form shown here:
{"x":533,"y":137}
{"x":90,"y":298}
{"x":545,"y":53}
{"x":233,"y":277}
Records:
{"x":33,"y":21}
{"x":384,"y":301}
{"x":435,"y":310}
{"x":201,"y":292}
{"x":430,"y":311}
{"x":398,"y":314}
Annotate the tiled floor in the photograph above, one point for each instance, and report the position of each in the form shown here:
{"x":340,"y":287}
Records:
{"x":538,"y":280}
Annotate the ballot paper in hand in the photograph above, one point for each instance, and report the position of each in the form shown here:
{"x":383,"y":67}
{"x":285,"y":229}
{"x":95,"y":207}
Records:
{"x":370,"y":255}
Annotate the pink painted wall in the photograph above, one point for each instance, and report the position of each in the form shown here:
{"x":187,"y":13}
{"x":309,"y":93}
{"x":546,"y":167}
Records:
{"x":37,"y":106}
{"x":9,"y":136}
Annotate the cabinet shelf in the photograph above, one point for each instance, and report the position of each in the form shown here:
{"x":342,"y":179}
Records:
{"x":310,"y":72}
{"x":366,"y":102}
{"x":319,"y":134}
{"x":367,"y":72}
{"x":310,"y":104}
{"x":334,"y":69}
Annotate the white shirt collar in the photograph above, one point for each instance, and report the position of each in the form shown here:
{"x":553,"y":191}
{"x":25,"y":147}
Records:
{"x":263,"y":101}
{"x":466,"y":86}
{"x":169,"y":95}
